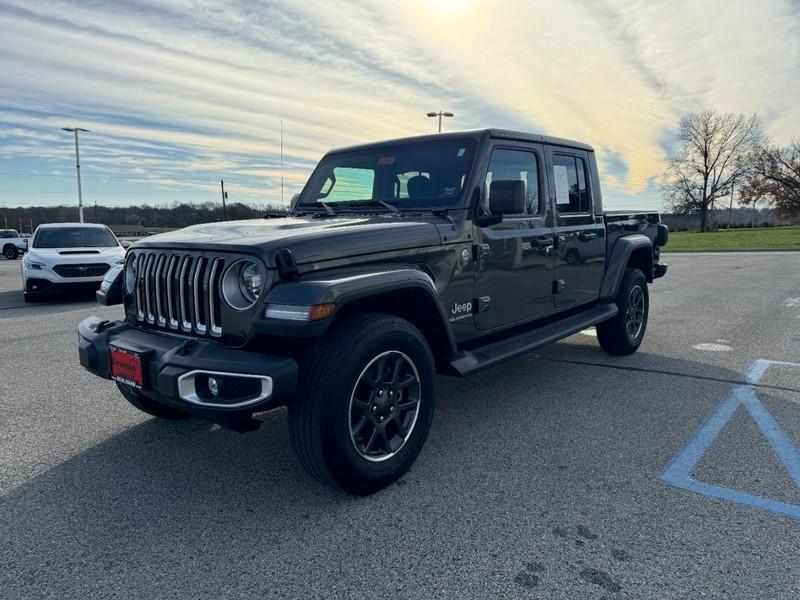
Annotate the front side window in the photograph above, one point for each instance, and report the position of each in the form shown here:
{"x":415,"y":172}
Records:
{"x":74,"y":237}
{"x":572,"y":191}
{"x":408,"y":175}
{"x":8,"y":233}
{"x":515,"y":165}
{"x":346,"y":183}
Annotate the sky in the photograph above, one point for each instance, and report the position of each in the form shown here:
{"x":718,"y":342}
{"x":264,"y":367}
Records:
{"x":179,"y":94}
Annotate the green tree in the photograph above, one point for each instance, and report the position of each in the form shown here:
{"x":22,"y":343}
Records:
{"x":716,"y":150}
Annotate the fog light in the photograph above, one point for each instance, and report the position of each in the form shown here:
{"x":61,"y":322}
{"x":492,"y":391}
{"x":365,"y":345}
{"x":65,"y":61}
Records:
{"x":213,"y":387}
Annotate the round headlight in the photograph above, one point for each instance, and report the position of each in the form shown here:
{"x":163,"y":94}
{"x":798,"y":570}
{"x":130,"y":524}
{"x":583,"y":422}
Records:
{"x":130,"y":274}
{"x":251,"y":280}
{"x":242,"y":283}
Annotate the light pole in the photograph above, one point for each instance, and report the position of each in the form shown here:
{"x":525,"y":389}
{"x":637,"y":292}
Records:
{"x":75,"y":130}
{"x":440,"y":114}
{"x":224,"y":197}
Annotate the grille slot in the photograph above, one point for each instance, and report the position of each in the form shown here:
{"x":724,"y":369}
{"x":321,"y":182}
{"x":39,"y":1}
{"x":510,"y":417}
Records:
{"x":84,"y":270}
{"x":179,"y":291}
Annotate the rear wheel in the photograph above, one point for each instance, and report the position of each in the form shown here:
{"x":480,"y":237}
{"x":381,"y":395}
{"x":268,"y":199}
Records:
{"x":10,"y":251}
{"x":624,"y":333}
{"x":365,"y":403}
{"x":151,"y":407}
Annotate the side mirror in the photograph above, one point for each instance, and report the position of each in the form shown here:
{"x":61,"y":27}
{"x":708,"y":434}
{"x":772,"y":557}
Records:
{"x":485,"y":220}
{"x":507,"y":196}
{"x":125,"y":244}
{"x":110,"y":292}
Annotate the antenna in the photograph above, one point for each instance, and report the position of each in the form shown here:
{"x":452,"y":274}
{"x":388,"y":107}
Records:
{"x":281,"y":162}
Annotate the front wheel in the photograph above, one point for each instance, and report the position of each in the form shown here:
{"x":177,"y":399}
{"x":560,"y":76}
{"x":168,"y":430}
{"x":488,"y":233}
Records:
{"x":624,"y":333}
{"x":365,"y":403}
{"x":10,"y":252}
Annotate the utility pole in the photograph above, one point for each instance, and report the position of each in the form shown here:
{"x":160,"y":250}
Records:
{"x":20,"y":224}
{"x":224,"y":197}
{"x":730,"y":206}
{"x":30,"y":224}
{"x":75,"y":130}
{"x":440,"y":114}
{"x":281,"y":162}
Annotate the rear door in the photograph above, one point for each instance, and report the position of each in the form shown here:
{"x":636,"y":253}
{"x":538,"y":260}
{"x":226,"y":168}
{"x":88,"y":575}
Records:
{"x":580,"y":245}
{"x":514,"y":258}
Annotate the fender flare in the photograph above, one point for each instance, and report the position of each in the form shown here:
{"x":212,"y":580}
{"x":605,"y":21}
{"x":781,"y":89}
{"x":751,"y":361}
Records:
{"x":623,"y":248}
{"x":345,"y":288}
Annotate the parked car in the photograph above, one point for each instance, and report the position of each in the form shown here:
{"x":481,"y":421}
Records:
{"x":12,"y":243}
{"x":399,"y":260}
{"x":68,"y":257}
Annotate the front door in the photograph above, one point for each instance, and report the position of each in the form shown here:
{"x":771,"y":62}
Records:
{"x":515,"y":258}
{"x":579,"y":229}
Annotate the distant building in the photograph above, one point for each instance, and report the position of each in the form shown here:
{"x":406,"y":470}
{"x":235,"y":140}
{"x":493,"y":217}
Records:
{"x":134,"y":230}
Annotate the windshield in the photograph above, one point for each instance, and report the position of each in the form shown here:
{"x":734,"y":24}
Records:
{"x":75,"y":237}
{"x":409,"y":175}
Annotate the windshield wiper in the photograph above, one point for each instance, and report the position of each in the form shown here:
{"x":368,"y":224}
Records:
{"x":394,"y":210}
{"x":327,"y":207}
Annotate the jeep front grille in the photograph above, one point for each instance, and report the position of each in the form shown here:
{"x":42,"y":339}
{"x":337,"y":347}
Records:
{"x":179,"y":291}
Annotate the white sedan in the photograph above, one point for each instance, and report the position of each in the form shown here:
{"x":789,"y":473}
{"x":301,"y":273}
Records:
{"x":68,"y":257}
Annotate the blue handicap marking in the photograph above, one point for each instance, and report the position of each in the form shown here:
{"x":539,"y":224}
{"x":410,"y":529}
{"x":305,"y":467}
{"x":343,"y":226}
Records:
{"x":678,"y":473}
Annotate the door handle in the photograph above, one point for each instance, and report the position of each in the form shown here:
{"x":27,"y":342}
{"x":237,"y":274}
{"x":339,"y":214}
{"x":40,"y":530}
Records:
{"x":482,"y":250}
{"x":585,"y":237}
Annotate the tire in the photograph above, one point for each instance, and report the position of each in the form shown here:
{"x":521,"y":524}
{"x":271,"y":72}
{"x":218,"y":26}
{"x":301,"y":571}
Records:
{"x":30,"y":297}
{"x":151,"y":407}
{"x":342,"y":400}
{"x":10,"y":251}
{"x":615,"y":335}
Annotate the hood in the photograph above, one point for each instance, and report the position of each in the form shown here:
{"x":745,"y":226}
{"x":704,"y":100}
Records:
{"x":74,"y":256}
{"x":310,"y":239}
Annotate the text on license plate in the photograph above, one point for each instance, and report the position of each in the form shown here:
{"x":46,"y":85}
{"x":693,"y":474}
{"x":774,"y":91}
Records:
{"x":126,"y":366}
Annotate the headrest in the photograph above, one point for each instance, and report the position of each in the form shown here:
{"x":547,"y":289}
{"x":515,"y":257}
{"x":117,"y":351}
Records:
{"x":418,"y":187}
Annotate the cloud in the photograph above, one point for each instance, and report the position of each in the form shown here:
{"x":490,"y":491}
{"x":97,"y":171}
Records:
{"x":180,"y":93}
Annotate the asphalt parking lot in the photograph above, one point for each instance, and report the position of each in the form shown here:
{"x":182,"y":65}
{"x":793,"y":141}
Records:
{"x":565,"y":474}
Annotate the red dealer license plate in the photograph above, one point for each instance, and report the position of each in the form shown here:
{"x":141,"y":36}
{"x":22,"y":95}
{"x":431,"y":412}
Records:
{"x":126,"y":366}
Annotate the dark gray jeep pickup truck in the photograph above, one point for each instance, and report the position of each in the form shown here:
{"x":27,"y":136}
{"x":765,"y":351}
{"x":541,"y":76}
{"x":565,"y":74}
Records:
{"x":399,"y":260}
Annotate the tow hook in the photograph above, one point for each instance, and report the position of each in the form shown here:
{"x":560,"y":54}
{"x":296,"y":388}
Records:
{"x":238,"y":423}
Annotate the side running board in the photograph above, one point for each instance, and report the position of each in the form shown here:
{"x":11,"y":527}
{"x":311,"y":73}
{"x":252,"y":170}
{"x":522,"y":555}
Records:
{"x":471,"y":361}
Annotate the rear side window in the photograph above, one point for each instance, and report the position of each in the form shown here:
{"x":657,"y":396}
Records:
{"x":572,"y":189}
{"x":515,"y":165}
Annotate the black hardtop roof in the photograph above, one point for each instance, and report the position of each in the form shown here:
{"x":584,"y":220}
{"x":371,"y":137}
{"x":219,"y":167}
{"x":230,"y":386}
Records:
{"x":478,"y":134}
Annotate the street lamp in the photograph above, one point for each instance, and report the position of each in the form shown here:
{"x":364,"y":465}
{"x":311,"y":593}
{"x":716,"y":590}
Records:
{"x":75,"y":130}
{"x":440,"y":114}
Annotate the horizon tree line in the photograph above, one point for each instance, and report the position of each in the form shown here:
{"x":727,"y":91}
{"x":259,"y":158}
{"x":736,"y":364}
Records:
{"x":727,"y":156}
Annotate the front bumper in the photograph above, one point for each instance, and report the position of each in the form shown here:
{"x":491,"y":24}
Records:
{"x":172,"y":364}
{"x":42,"y":286}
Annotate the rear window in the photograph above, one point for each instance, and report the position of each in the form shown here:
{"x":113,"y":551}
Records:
{"x":74,"y":237}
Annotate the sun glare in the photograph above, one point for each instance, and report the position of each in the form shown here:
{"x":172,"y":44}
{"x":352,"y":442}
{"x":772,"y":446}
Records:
{"x":448,"y":6}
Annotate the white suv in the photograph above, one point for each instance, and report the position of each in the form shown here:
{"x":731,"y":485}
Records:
{"x":12,"y":244}
{"x":68,"y":257}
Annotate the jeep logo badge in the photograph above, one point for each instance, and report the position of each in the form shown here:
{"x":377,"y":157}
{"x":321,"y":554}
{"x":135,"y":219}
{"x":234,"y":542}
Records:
{"x":460,"y":311}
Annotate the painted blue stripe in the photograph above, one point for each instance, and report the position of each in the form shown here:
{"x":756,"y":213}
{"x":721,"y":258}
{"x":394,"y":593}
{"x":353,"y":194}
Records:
{"x":678,"y":472}
{"x":779,"y":441}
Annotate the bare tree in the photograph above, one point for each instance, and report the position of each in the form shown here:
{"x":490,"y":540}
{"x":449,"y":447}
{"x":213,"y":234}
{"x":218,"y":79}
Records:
{"x":716,"y":150}
{"x":776,"y":176}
